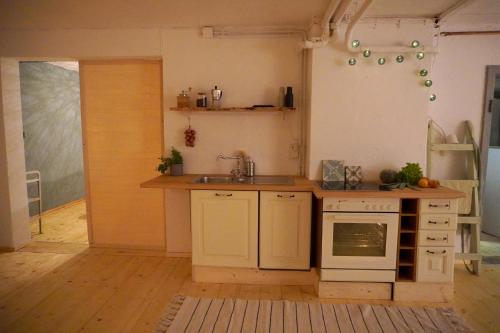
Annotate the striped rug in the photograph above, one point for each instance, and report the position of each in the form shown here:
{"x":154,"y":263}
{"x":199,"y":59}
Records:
{"x":192,"y":314}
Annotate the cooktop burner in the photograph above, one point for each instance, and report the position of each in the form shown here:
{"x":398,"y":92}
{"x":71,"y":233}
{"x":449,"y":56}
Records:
{"x":343,"y":186}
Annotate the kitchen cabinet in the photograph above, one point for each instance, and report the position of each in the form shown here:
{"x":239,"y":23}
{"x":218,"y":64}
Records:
{"x":436,"y":240}
{"x":435,"y":264}
{"x":285,"y":230}
{"x":224,"y":228}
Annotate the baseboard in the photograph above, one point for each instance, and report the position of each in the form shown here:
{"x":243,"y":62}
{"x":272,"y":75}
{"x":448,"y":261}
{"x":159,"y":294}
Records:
{"x":355,"y":290}
{"x":7,"y":249}
{"x":179,"y":254}
{"x":240,"y":275}
{"x":423,"y":292}
{"x":66,"y":205}
{"x":126,"y":247}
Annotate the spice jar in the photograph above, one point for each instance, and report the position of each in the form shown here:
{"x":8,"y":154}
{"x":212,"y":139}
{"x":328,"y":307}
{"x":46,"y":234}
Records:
{"x":201,"y":100}
{"x":183,"y":100}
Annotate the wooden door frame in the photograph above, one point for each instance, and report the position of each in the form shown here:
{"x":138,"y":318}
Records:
{"x":491,"y":72}
{"x":84,"y":123}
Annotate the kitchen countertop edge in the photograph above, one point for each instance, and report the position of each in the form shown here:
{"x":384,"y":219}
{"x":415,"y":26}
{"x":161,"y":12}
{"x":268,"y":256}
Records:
{"x":302,"y":184}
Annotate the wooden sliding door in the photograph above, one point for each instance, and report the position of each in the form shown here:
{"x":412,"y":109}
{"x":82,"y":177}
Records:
{"x":123,"y":134}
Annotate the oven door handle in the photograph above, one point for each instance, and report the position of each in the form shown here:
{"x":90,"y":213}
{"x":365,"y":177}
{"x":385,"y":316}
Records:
{"x":377,"y":219}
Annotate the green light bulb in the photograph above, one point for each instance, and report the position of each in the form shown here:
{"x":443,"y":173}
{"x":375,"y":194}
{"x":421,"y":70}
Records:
{"x":415,"y":43}
{"x":355,"y":43}
{"x":420,"y":55}
{"x":428,"y":83}
{"x":352,"y":61}
{"x":423,"y":72}
{"x":432,"y":97}
{"x":400,"y":58}
{"x":381,"y":61}
{"x":367,"y":53}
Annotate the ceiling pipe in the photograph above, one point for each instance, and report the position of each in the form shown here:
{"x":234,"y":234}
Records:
{"x":453,"y":10}
{"x":333,"y":14}
{"x":339,"y":14}
{"x":376,"y":49}
{"x":350,"y":27}
{"x":327,"y":18}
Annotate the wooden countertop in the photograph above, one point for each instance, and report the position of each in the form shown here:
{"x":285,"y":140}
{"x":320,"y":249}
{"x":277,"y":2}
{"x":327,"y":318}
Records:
{"x":301,"y":185}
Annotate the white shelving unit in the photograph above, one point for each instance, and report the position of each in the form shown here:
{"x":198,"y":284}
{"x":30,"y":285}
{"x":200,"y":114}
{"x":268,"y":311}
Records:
{"x":469,"y":211}
{"x":33,"y":177}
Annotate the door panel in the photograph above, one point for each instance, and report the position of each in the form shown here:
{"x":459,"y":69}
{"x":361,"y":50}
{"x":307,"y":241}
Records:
{"x":285,"y":230}
{"x":435,"y":264}
{"x":123,"y":134}
{"x":224,"y":226}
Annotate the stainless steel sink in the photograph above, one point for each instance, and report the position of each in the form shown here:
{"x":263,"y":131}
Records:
{"x":256,"y":180}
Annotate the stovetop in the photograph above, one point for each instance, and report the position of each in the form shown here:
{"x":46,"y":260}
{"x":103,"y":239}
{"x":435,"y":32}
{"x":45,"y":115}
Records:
{"x":344,"y":186}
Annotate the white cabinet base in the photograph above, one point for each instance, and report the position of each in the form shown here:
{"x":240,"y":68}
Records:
{"x":423,"y":292}
{"x":224,"y":228}
{"x":354,"y":290}
{"x":285,"y":230}
{"x":238,"y":275}
{"x":435,"y":264}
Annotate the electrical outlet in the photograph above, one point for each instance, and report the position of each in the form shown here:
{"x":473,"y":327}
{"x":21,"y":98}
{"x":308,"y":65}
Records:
{"x":294,"y":150}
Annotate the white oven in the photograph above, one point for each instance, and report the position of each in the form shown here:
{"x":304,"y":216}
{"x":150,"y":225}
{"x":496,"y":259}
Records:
{"x":359,"y":239}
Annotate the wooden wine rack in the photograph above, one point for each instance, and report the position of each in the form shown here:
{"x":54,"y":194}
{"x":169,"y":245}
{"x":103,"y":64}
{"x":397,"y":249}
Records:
{"x":406,"y":265}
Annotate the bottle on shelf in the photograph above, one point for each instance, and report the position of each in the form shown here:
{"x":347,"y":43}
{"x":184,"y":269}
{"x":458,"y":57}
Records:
{"x":289,"y":97}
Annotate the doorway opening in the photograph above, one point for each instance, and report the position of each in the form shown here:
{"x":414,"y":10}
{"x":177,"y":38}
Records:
{"x":52,"y":131}
{"x":490,"y":158}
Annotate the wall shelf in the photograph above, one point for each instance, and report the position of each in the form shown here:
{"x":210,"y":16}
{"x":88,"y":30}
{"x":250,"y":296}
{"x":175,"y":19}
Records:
{"x":235,"y":109}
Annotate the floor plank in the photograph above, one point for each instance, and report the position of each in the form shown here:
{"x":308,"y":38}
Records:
{"x":42,"y":281}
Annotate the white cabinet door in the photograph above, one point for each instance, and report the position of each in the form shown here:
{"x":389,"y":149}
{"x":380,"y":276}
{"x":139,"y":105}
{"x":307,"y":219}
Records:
{"x":285,"y":230}
{"x":435,"y":264}
{"x":224,"y":228}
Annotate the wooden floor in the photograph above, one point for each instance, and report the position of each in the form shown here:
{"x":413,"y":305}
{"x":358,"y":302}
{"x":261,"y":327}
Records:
{"x":67,"y":287}
{"x":63,"y":224}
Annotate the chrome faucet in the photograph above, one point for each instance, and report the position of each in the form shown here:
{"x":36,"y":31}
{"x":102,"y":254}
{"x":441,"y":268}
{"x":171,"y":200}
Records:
{"x":238,"y":172}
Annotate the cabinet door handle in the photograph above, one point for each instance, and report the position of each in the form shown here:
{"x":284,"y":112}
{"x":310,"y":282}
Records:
{"x":438,"y":222}
{"x":433,"y":252}
{"x":437,"y":239}
{"x":286,"y":196}
{"x":437,"y":206}
{"x":223,"y":194}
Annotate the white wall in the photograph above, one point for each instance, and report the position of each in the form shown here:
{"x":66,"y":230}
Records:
{"x":249,"y":71}
{"x":369,"y":115}
{"x":14,"y":218}
{"x":459,"y":75}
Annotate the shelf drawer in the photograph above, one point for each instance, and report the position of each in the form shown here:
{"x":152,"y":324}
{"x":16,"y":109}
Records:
{"x":436,"y":238}
{"x":439,"y":206}
{"x":438,"y":221}
{"x":435,"y":264}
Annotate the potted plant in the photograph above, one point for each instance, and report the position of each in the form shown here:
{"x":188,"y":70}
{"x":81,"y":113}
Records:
{"x":174,"y":162}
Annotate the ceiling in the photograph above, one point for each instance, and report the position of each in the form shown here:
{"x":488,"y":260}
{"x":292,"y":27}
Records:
{"x":98,"y":14}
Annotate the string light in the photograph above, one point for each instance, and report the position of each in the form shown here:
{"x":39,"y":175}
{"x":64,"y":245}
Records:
{"x":352,"y":61}
{"x":400,"y":58}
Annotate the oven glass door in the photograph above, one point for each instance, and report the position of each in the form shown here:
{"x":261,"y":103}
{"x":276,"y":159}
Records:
{"x":359,"y":241}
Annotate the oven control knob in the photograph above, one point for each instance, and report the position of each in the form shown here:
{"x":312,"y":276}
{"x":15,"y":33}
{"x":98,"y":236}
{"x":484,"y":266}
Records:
{"x":367,"y":207}
{"x":381,"y":207}
{"x":374,"y":207}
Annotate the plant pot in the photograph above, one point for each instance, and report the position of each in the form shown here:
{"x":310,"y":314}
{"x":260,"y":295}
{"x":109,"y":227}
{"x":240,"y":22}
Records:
{"x":176,"y":170}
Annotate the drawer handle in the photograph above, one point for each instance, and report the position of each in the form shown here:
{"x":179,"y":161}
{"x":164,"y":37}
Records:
{"x":437,"y":239}
{"x":438,"y":222}
{"x":433,"y":252}
{"x":223,"y":194}
{"x":286,"y":196}
{"x":437,"y":206}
